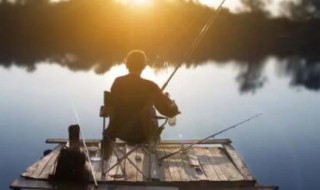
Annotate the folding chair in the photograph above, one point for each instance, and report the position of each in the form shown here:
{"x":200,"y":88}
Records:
{"x":148,"y":148}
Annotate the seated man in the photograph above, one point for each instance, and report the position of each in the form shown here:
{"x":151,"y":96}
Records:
{"x":134,"y":99}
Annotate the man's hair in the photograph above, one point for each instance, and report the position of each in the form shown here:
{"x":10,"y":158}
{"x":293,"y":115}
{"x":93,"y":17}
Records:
{"x":136,"y":60}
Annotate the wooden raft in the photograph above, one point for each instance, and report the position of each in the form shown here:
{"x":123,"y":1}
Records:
{"x":215,"y":164}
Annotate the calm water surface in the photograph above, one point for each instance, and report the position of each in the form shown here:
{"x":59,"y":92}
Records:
{"x":281,"y":147}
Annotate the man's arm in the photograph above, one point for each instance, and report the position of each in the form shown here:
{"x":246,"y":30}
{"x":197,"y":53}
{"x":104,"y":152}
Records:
{"x":164,"y":104}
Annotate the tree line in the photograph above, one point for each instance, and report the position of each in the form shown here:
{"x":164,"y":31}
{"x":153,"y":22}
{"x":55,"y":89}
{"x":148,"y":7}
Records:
{"x":85,"y":34}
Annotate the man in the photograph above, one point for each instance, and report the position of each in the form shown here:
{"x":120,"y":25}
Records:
{"x":134,"y":98}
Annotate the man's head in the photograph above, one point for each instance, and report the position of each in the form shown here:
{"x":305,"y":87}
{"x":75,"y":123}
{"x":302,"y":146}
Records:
{"x":136,"y":61}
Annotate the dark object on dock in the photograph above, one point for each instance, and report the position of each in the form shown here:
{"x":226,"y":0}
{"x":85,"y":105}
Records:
{"x":74,"y":136}
{"x":214,"y":164}
{"x":46,"y":152}
{"x":70,"y":166}
{"x":71,"y":160}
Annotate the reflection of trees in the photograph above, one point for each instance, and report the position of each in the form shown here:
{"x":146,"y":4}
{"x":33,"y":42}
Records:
{"x":303,"y":73}
{"x":251,"y":78}
{"x":302,"y":9}
{"x":86,"y":34}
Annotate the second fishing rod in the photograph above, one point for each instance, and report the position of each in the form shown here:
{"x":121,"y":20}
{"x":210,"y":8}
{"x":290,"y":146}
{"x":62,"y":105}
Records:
{"x":184,"y":149}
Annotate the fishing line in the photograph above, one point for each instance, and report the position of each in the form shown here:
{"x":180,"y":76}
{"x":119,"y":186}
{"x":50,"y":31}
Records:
{"x":85,"y":147}
{"x":196,"y":42}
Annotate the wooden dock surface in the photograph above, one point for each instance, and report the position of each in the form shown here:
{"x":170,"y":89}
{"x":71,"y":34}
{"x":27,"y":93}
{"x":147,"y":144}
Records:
{"x":216,"y":164}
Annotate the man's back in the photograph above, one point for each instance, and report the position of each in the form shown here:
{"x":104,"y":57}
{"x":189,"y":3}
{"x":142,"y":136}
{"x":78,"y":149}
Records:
{"x":132,"y":93}
{"x":132,"y":110}
{"x":134,"y":99}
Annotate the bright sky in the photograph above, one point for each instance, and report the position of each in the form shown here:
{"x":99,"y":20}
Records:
{"x":228,"y":3}
{"x":233,"y":5}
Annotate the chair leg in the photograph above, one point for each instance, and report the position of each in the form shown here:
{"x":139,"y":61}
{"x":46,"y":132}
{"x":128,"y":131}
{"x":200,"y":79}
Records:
{"x":118,"y":158}
{"x":133,"y":164}
{"x":116,"y":150}
{"x":102,"y":165}
{"x":122,"y":158}
{"x":125,"y":156}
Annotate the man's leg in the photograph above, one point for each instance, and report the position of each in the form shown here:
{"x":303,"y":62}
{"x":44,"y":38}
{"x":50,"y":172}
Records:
{"x":107,"y":145}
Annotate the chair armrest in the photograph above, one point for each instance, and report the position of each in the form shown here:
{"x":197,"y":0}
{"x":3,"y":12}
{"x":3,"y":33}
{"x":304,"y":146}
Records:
{"x":104,"y":111}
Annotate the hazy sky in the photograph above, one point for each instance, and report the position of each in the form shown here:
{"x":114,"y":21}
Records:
{"x":235,"y":5}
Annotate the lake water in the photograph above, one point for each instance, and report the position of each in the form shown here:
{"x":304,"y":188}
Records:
{"x":281,"y":147}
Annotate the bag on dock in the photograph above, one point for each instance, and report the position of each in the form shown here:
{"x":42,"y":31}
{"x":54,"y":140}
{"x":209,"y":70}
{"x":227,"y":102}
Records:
{"x":70,"y":166}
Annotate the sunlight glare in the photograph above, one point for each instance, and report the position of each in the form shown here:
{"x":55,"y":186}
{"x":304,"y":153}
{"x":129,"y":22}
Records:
{"x":135,"y":2}
{"x":148,"y":73}
{"x":121,"y":70}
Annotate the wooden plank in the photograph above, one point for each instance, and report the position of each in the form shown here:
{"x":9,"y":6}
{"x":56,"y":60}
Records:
{"x":143,"y":163}
{"x":183,"y":173}
{"x":238,"y":162}
{"x":28,"y":172}
{"x":156,"y":172}
{"x":215,"y":165}
{"x":177,"y":165}
{"x":164,"y":166}
{"x":171,"y":161}
{"x":163,"y":142}
{"x":146,"y":163}
{"x":192,"y":158}
{"x":196,"y":165}
{"x":44,"y":185}
{"x":191,"y":172}
{"x":120,"y":151}
{"x":49,"y":168}
{"x":130,"y":170}
{"x":36,"y":169}
{"x":115,"y":173}
{"x":226,"y":165}
{"x":206,"y":165}
{"x":30,"y":184}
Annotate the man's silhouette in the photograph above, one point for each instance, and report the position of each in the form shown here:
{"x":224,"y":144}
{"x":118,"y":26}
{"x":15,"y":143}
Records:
{"x":134,"y":98}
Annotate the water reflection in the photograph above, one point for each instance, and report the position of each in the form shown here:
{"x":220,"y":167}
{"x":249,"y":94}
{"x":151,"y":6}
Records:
{"x":280,"y":147}
{"x":96,"y":35}
{"x":251,"y":77}
{"x":303,"y":73}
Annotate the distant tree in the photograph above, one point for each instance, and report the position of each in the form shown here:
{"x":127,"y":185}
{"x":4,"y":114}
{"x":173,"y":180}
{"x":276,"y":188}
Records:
{"x":255,"y":5}
{"x":301,"y":9}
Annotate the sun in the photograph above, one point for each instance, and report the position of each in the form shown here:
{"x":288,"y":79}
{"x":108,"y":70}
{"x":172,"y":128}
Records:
{"x":135,"y":2}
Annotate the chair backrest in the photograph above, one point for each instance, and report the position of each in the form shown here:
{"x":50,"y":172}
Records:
{"x":107,"y":103}
{"x":108,"y":110}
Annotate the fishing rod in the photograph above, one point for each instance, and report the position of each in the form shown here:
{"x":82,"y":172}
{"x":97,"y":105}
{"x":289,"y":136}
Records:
{"x":86,"y":149}
{"x":183,"y":149}
{"x":196,"y":42}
